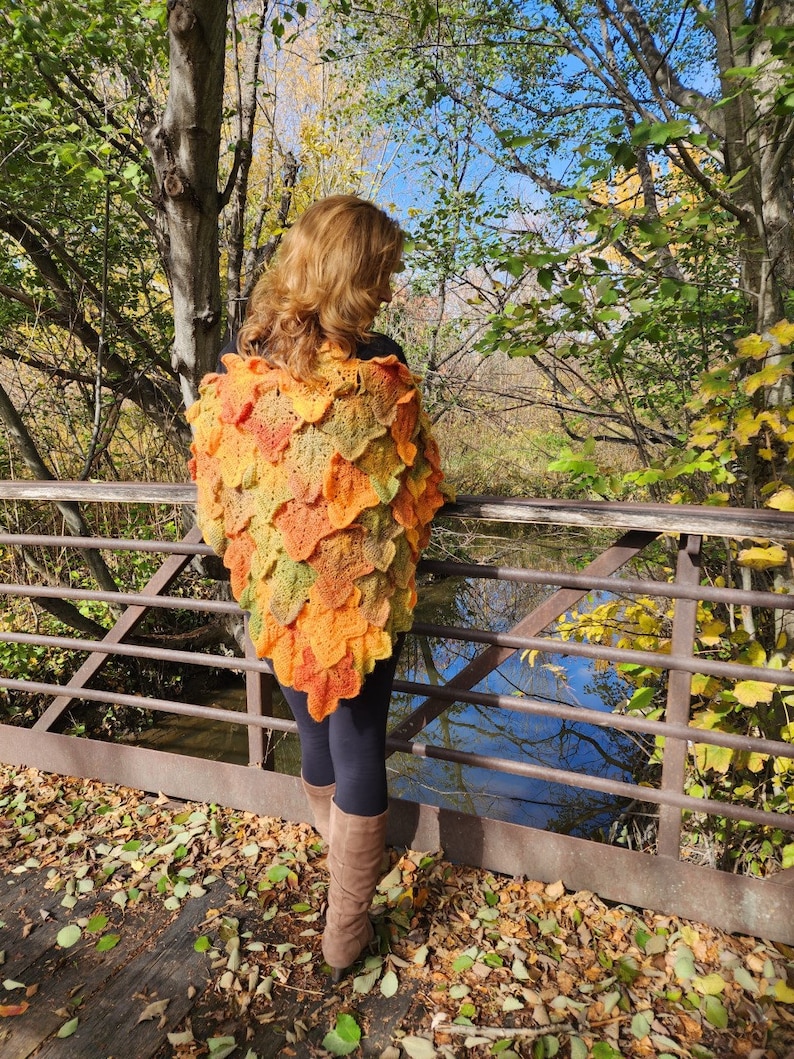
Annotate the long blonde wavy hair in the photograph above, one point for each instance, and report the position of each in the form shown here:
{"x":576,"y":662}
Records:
{"x":330,"y":275}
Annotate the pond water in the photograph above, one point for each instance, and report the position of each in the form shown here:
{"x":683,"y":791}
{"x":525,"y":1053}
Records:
{"x":496,"y":605}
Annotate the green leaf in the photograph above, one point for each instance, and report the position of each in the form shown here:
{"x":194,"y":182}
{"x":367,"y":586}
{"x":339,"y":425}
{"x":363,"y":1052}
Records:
{"x":641,"y":698}
{"x":96,"y":924}
{"x":278,"y":873}
{"x":641,"y":938}
{"x":202,"y":943}
{"x":602,"y":1050}
{"x":68,"y":1028}
{"x":641,"y":1025}
{"x":68,"y":936}
{"x":578,"y":1048}
{"x":344,"y":1037}
{"x":390,"y":983}
{"x":220,"y":1047}
{"x":107,"y":942}
{"x":462,"y":963}
{"x":363,"y":983}
{"x":715,"y":1012}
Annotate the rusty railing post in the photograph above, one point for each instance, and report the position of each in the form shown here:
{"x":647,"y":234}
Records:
{"x":679,"y":693}
{"x":258,"y":703}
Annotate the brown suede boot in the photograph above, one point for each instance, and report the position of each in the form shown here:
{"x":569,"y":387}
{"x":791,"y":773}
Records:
{"x":354,"y":861}
{"x":319,"y":799}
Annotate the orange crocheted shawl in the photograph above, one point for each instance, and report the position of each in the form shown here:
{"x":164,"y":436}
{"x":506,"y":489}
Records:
{"x":319,"y":496}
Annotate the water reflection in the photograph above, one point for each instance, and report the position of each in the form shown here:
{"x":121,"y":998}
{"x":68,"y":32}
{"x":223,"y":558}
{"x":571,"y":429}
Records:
{"x":496,"y":605}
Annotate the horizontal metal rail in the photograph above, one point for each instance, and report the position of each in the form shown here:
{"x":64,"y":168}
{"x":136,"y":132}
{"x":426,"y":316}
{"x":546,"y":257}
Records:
{"x":518,"y":575}
{"x":651,"y":659}
{"x":544,"y":645}
{"x":524,"y":704}
{"x":664,"y":518}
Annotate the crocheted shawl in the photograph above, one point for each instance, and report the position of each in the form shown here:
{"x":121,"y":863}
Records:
{"x":319,"y":496}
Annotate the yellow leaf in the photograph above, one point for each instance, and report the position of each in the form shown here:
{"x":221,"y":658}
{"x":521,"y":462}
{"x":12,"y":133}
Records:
{"x":713,"y":758}
{"x":755,"y":762}
{"x":709,"y":985}
{"x":704,"y":686}
{"x":782,"y":500}
{"x":763,"y":558}
{"x":711,"y":632}
{"x":753,"y":346}
{"x":783,"y":332}
{"x":783,"y":992}
{"x":751,"y":692}
{"x":689,"y":935}
{"x":768,"y":376}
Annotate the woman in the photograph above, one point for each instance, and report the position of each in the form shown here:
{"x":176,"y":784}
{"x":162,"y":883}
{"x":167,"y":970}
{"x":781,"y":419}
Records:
{"x":317,"y":480}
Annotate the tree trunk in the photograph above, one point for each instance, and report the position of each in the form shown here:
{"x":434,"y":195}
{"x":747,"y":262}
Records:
{"x":757,"y":151}
{"x":185,"y":146}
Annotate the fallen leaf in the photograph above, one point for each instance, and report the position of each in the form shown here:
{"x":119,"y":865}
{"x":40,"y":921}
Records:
{"x":154,"y":1010}
{"x":418,"y":1047}
{"x":68,"y":936}
{"x":8,"y":1011}
{"x":68,"y":1028}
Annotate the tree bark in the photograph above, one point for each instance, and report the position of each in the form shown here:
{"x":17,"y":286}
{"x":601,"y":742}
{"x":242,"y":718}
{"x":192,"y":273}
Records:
{"x":185,"y":146}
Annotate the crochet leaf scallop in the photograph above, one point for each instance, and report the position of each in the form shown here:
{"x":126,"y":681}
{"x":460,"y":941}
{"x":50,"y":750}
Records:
{"x":320,"y":494}
{"x":403,"y":429}
{"x":237,"y":559}
{"x":382,"y":464}
{"x":376,"y":590}
{"x":239,"y":388}
{"x":385,"y":379}
{"x":290,"y":583}
{"x":348,"y":491}
{"x":271,"y":493}
{"x":309,"y":454}
{"x":340,"y":681}
{"x":238,"y":512}
{"x":303,"y":526}
{"x":329,"y":630}
{"x":380,"y":529}
{"x":310,"y":401}
{"x":351,"y":425}
{"x":338,"y":561}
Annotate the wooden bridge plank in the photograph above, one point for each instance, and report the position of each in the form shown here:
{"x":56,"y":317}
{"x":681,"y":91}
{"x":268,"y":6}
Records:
{"x":164,"y":966}
{"x":153,"y":960}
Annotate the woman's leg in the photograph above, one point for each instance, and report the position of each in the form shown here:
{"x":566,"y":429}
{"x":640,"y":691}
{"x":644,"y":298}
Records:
{"x":317,"y":767}
{"x":349,"y":747}
{"x":357,"y":744}
{"x":317,"y":770}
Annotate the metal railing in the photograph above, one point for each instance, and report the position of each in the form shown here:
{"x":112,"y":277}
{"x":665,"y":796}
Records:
{"x":663,"y":880}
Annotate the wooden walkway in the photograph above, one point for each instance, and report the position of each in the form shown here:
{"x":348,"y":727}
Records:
{"x":153,"y":995}
{"x":133,"y":927}
{"x":107,"y":992}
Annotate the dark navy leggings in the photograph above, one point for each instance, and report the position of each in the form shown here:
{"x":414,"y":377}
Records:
{"x":349,"y":747}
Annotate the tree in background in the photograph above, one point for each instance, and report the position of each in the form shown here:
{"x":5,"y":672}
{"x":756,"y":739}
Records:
{"x":144,"y":152}
{"x":688,"y":107}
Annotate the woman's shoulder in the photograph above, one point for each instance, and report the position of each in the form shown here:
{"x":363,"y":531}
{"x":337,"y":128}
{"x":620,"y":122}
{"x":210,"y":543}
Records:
{"x":380,"y":346}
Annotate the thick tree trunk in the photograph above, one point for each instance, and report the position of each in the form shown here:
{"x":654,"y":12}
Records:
{"x":758,"y":147}
{"x":185,"y":147}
